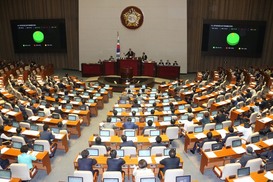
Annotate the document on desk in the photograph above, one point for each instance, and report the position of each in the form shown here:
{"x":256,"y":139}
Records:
{"x":4,"y":110}
{"x":30,"y":132}
{"x":244,"y":179}
{"x":254,"y":147}
{"x":182,"y":111}
{"x":167,"y":112}
{"x":265,"y":120}
{"x":33,"y":153}
{"x":33,"y":118}
{"x":12,"y":113}
{"x":64,"y":121}
{"x":46,"y":119}
{"x":152,"y":139}
{"x":3,"y":150}
{"x":239,"y":150}
{"x":269,"y":175}
{"x":200,"y":135}
{"x":76,"y":111}
{"x":269,"y":142}
{"x":211,"y":154}
{"x":134,"y":139}
{"x":58,"y":136}
{"x":164,"y":123}
{"x":158,"y":159}
{"x":222,"y":132}
{"x":12,"y":130}
{"x":147,"y":159}
{"x":239,"y":128}
{"x":104,"y":139}
{"x":147,"y":113}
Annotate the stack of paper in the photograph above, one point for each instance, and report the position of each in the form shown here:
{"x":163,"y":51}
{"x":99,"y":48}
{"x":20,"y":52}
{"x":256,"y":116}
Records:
{"x":239,"y":150}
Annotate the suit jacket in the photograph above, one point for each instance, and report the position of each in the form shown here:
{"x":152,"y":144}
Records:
{"x":220,"y":118}
{"x":247,"y":157}
{"x":267,"y":155}
{"x":158,"y":144}
{"x":205,"y":121}
{"x":129,"y":125}
{"x":170,"y":163}
{"x":115,"y":164}
{"x":47,"y":135}
{"x":86,"y":164}
{"x":129,"y":143}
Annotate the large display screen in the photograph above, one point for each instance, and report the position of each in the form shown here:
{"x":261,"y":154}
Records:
{"x":39,"y":36}
{"x":233,"y":38}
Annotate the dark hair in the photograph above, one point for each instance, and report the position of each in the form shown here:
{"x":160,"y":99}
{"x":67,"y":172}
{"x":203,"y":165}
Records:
{"x":209,"y":135}
{"x":108,"y":120}
{"x":60,"y":124}
{"x":142,"y":163}
{"x":133,"y":113}
{"x":98,"y":140}
{"x":113,"y":154}
{"x":189,"y":110}
{"x":84,"y":153}
{"x":172,"y":153}
{"x":158,"y":139}
{"x":246,"y":125}
{"x":115,"y":112}
{"x":173,"y":110}
{"x":152,"y":111}
{"x":18,"y":130}
{"x":24,"y":149}
{"x":124,"y":138}
{"x":249,"y":150}
{"x":129,"y":119}
{"x":45,"y":127}
{"x":230,"y":129}
{"x":1,"y":129}
{"x":172,"y":121}
{"x":154,"y":104}
{"x":150,"y":122}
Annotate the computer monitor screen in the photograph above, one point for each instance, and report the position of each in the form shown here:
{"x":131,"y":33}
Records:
{"x":167,"y":108}
{"x":214,"y":113}
{"x":38,"y":148}
{"x":55,"y":130}
{"x":154,"y":133}
{"x":245,"y":171}
{"x":255,"y":139}
{"x":129,"y":133}
{"x":5,"y":174}
{"x":15,"y":124}
{"x":104,"y":133}
{"x":41,"y":113}
{"x":194,"y":105}
{"x":68,"y":107}
{"x":97,"y":95}
{"x":165,"y":94}
{"x":184,"y":117}
{"x":186,"y":178}
{"x":236,"y":123}
{"x":167,"y":118}
{"x":85,"y":93}
{"x":91,"y":101}
{"x":16,"y":145}
{"x":93,"y":152}
{"x":216,"y":146}
{"x":149,"y":109}
{"x":110,"y":180}
{"x":122,"y":101}
{"x":150,"y":179}
{"x":43,"y":103}
{"x":133,"y":119}
{"x":269,"y":166}
{"x":75,"y":179}
{"x":152,"y":94}
{"x":134,"y":109}
{"x":66,"y":98}
{"x":236,"y":143}
{"x":151,"y":101}
{"x":34,"y":127}
{"x":166,"y":100}
{"x":113,"y":120}
{"x":120,"y":153}
{"x":270,"y":135}
{"x":78,"y":99}
{"x":200,"y":115}
{"x":72,"y":118}
{"x":219,"y":126}
{"x":118,"y":109}
{"x":149,"y":118}
{"x":144,"y":153}
{"x":181,"y":107}
{"x":131,"y":86}
{"x":16,"y":109}
{"x":106,"y":86}
{"x":166,"y":151}
{"x":198,"y":129}
{"x":102,"y":90}
{"x":154,"y":90}
{"x":218,"y":100}
{"x":55,"y":116}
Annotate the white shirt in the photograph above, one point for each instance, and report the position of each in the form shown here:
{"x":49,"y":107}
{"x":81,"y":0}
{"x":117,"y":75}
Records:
{"x":142,"y":172}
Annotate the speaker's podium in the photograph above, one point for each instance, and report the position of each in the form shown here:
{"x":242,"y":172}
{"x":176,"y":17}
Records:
{"x":169,"y":72}
{"x":109,"y":67}
{"x":149,"y":69}
{"x":134,"y":64}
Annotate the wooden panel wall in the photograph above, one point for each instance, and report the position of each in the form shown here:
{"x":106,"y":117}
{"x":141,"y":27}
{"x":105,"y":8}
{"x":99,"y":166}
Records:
{"x":41,"y":9}
{"x":227,"y":9}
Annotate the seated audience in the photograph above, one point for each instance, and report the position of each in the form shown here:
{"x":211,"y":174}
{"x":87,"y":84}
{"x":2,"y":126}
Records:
{"x":114,"y":163}
{"x":198,"y":145}
{"x":85,"y":163}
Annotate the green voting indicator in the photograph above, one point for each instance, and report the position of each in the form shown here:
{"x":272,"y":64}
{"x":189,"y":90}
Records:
{"x":38,"y":36}
{"x":233,"y":39}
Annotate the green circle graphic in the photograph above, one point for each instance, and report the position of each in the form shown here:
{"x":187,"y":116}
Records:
{"x":38,"y":36}
{"x":233,"y":39}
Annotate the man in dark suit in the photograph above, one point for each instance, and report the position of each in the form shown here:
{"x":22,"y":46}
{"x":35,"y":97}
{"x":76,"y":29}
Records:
{"x":144,"y":57}
{"x":158,"y":142}
{"x":220,"y":117}
{"x":129,"y":125}
{"x":98,"y":142}
{"x":136,"y":104}
{"x":130,"y":54}
{"x":170,"y":163}
{"x":126,"y":143}
{"x":206,"y":119}
{"x":247,"y":156}
{"x":230,"y":134}
{"x":114,"y":163}
{"x":267,"y":155}
{"x":34,"y":109}
{"x":46,"y":134}
{"x":86,"y":164}
{"x":200,"y":144}
{"x":149,"y":126}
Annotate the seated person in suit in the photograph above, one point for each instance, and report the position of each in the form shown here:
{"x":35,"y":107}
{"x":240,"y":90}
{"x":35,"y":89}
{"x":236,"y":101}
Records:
{"x":46,"y":134}
{"x":98,"y":142}
{"x":85,"y":163}
{"x":142,"y":169}
{"x":206,"y":119}
{"x":136,"y":104}
{"x":129,"y":125}
{"x":199,"y":145}
{"x":247,"y":156}
{"x":220,"y":117}
{"x":108,"y":124}
{"x":34,"y":109}
{"x":168,"y":63}
{"x":170,"y":163}
{"x":25,"y":158}
{"x":3,"y":135}
{"x":230,"y":134}
{"x":144,"y":57}
{"x":158,"y":142}
{"x":161,"y":63}
{"x":149,"y":126}
{"x":126,"y":143}
{"x":267,"y":155}
{"x":130,"y":54}
{"x":114,"y":163}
